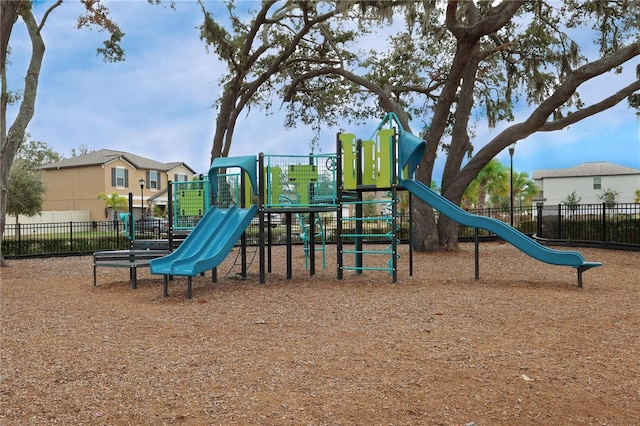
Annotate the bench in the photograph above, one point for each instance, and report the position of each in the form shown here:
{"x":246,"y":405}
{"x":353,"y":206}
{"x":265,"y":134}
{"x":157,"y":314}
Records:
{"x":153,"y":244}
{"x":139,"y":256}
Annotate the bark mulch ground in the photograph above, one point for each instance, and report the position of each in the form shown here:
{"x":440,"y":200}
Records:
{"x":522,"y":345}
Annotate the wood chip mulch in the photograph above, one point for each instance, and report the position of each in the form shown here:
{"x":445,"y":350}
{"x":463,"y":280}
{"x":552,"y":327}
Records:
{"x":522,"y":345}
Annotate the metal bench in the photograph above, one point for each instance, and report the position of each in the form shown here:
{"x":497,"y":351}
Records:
{"x":153,"y":244}
{"x":132,"y":259}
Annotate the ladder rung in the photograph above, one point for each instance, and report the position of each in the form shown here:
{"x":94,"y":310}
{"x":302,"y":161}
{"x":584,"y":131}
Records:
{"x":367,"y":252}
{"x":365,"y":268}
{"x":364,"y":219}
{"x":368,"y":235}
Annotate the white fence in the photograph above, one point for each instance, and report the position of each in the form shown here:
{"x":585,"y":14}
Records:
{"x":48,"y":217}
{"x":53,"y":217}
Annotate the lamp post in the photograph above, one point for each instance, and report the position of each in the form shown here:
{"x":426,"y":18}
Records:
{"x":141,"y":182}
{"x":512,"y":149}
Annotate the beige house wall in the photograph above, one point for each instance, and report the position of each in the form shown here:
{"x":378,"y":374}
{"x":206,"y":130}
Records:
{"x":74,"y":189}
{"x":181,"y":169}
{"x":77,"y":188}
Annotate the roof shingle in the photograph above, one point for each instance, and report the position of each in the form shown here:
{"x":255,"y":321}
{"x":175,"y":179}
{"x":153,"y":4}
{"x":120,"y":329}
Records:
{"x":104,"y":156}
{"x":598,"y":168}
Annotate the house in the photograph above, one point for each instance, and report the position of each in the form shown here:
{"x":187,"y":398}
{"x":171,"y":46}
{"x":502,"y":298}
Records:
{"x":588,"y":181}
{"x":74,"y":183}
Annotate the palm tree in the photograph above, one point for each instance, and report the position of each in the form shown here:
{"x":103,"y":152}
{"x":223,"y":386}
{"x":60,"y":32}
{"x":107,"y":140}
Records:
{"x":524,"y":190}
{"x":492,"y":180}
{"x":114,"y":201}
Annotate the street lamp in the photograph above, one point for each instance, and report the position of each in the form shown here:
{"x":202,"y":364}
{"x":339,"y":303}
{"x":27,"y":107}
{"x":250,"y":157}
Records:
{"x":141,"y":182}
{"x":512,"y":149}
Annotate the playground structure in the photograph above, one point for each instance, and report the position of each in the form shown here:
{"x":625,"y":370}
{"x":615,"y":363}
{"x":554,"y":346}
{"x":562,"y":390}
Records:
{"x":303,"y":188}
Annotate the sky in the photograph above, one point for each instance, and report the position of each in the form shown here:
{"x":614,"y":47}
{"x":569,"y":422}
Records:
{"x":159,"y":103}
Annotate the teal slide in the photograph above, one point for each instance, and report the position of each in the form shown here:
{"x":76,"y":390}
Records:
{"x":217,"y":232}
{"x":410,"y":151}
{"x":208,"y":244}
{"x":501,"y":229}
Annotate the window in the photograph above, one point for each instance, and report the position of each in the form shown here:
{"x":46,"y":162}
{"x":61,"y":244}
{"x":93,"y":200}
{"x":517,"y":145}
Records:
{"x":179,"y":177}
{"x":153,"y":180}
{"x":119,"y":177}
{"x":597,"y":183}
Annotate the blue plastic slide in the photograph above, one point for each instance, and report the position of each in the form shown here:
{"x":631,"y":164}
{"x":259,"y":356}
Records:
{"x":208,"y":244}
{"x":501,"y":229}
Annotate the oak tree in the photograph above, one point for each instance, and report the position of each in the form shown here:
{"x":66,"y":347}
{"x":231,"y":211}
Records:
{"x":451,"y":69}
{"x":96,"y":14}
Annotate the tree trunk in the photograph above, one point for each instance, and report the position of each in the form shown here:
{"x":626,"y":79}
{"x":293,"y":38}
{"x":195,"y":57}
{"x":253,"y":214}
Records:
{"x":8,"y":17}
{"x":11,"y":142}
{"x":427,"y":239}
{"x":226,"y":108}
{"x":460,"y":144}
{"x":448,"y":233}
{"x":482,"y":195}
{"x":425,"y":229}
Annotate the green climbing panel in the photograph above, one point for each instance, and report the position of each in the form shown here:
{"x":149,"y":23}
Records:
{"x":303,"y":176}
{"x":348,"y":143}
{"x":385,"y":138}
{"x":273,"y":179}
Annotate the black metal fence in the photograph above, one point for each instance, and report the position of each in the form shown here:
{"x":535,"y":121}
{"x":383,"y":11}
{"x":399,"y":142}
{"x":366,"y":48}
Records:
{"x":593,"y":224}
{"x":524,"y":219}
{"x":45,"y":239}
{"x":599,"y":224}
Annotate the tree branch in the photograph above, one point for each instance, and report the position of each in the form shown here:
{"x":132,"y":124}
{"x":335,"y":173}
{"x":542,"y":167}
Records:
{"x":236,"y":98}
{"x":486,"y":53}
{"x":27,"y":106}
{"x":583,"y":113}
{"x":537,"y":119}
{"x":385,"y":100}
{"x":46,"y":14}
{"x":261,"y":17}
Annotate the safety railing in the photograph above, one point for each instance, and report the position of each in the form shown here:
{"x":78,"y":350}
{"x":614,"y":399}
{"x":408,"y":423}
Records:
{"x":599,"y":225}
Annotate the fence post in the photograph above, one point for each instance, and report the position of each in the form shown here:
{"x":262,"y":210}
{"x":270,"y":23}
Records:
{"x":71,"y":236}
{"x":19,"y":231}
{"x":559,"y":236}
{"x":604,"y":222}
{"x":539,"y":221}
